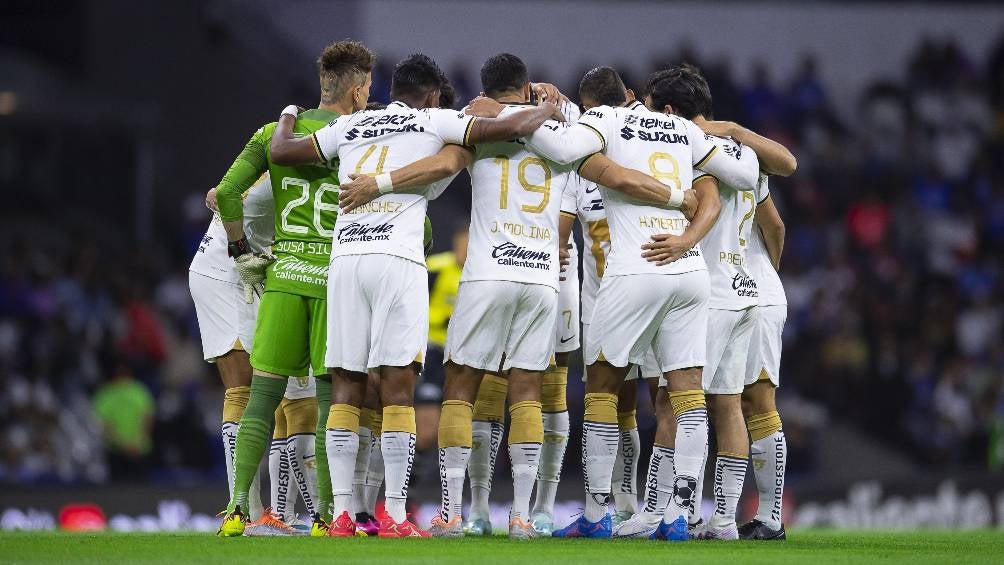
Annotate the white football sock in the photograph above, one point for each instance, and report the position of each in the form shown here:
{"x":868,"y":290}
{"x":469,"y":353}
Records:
{"x":552,"y":455}
{"x":342,"y":446}
{"x":730,"y":472}
{"x":525,"y":459}
{"x":374,"y":475}
{"x":452,"y":469}
{"x":228,"y":432}
{"x":487,"y":437}
{"x":300,"y":450}
{"x":398,"y":456}
{"x":688,"y":459}
{"x":278,"y":476}
{"x":361,"y":467}
{"x":626,"y":472}
{"x":599,"y":450}
{"x":659,"y":479}
{"x":770,"y":458}
{"x":695,"y":512}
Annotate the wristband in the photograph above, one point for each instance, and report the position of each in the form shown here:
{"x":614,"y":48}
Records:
{"x":675,"y":198}
{"x":385,"y":185}
{"x":291,"y":110}
{"x":238,"y":248}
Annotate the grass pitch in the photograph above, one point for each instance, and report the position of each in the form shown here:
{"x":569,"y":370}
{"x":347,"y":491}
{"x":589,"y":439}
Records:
{"x":803,"y":547}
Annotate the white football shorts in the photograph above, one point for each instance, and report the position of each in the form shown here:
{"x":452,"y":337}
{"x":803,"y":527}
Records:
{"x":764,"y":359}
{"x":495,"y":317}
{"x":729,"y":333}
{"x":300,"y":387}
{"x":667,"y":313}
{"x":226,"y":322}
{"x":378,"y":312}
{"x":566,"y":334}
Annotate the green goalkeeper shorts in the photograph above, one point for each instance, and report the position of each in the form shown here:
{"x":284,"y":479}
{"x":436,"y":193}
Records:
{"x":290,"y":335}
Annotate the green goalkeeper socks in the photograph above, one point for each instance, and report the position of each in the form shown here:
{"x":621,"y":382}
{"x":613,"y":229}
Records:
{"x":324,"y":496}
{"x":254,"y":433}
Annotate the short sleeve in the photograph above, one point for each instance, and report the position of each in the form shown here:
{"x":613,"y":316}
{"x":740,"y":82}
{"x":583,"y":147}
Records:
{"x":762,"y":191}
{"x":326,"y":139}
{"x":570,"y":196}
{"x":450,"y":125}
{"x":598,"y":120}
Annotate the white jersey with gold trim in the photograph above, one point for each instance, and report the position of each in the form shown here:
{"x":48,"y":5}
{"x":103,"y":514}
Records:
{"x":595,"y":243}
{"x":211,"y":258}
{"x":733,"y":287}
{"x":381,"y":141}
{"x":516,"y":198}
{"x":771,"y":291}
{"x":666,"y":147}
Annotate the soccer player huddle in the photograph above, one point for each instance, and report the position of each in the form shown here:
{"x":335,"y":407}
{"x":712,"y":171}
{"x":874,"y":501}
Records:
{"x":325,"y":302}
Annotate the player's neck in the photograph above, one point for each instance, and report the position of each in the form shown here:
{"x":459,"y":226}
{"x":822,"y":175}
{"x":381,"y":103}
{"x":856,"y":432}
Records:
{"x":511,"y":99}
{"x":339,"y":108}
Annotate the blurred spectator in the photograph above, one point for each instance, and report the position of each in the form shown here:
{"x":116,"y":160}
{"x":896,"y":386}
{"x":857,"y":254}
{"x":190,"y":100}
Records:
{"x":125,"y":409}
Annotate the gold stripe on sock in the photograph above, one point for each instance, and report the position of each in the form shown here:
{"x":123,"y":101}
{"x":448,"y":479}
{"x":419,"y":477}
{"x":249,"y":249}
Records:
{"x":553,"y":390}
{"x":601,"y":407}
{"x":733,"y":455}
{"x":343,"y":417}
{"x":626,"y":420}
{"x":686,"y":400}
{"x":490,"y":404}
{"x":366,"y":417}
{"x":235,"y":400}
{"x":763,"y":425}
{"x":526,"y":425}
{"x":399,"y":419}
{"x":376,"y":423}
{"x":301,"y":415}
{"x":279,"y":429}
{"x":455,"y":428}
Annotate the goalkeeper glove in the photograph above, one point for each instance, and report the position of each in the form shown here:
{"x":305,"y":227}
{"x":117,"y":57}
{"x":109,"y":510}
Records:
{"x":250,"y":268}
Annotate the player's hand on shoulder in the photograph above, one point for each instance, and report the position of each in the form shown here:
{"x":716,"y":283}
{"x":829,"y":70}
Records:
{"x":211,"y":200}
{"x":358,"y":191}
{"x":556,"y":113}
{"x":484,"y":107}
{"x":690,"y":203}
{"x":564,"y":258}
{"x":548,"y":92}
{"x":719,"y":128}
{"x":665,"y":248}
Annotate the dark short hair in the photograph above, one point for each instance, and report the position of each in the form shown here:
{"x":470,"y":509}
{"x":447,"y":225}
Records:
{"x":504,"y":72}
{"x":343,"y":65}
{"x":682,"y":87}
{"x":415,"y":77}
{"x":604,"y":86}
{"x":447,"y":95}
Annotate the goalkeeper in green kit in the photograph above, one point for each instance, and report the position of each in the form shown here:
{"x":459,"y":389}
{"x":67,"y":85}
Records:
{"x":291,"y":329}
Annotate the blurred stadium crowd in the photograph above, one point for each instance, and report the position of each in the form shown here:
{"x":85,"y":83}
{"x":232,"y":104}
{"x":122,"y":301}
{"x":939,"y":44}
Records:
{"x":893,"y":266}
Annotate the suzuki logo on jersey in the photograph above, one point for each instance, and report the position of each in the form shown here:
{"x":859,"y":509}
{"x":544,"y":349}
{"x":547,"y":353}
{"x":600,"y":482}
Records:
{"x":351,"y":134}
{"x":513,"y":255}
{"x":659,"y":136}
{"x":355,"y":232}
{"x":627,"y":133}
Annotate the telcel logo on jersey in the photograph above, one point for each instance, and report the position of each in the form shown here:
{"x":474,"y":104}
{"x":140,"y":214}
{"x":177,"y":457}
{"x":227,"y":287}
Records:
{"x":510,"y":254}
{"x":744,"y":286}
{"x":364,"y":232}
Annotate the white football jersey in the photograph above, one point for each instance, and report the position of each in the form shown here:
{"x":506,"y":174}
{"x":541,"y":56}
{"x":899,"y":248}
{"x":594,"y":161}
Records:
{"x":381,"y":141}
{"x":211,"y":258}
{"x":595,"y":243}
{"x":768,"y":282}
{"x":667,"y":147}
{"x":732,"y":285}
{"x":516,"y":198}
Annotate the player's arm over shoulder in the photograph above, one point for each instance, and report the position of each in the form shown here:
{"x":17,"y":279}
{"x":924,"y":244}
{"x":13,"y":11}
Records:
{"x":725,"y":159}
{"x":251,"y":163}
{"x":566,"y":143}
{"x":287,"y":149}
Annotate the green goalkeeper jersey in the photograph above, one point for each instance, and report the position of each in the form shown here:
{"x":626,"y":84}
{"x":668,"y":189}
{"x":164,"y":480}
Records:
{"x":306,"y":206}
